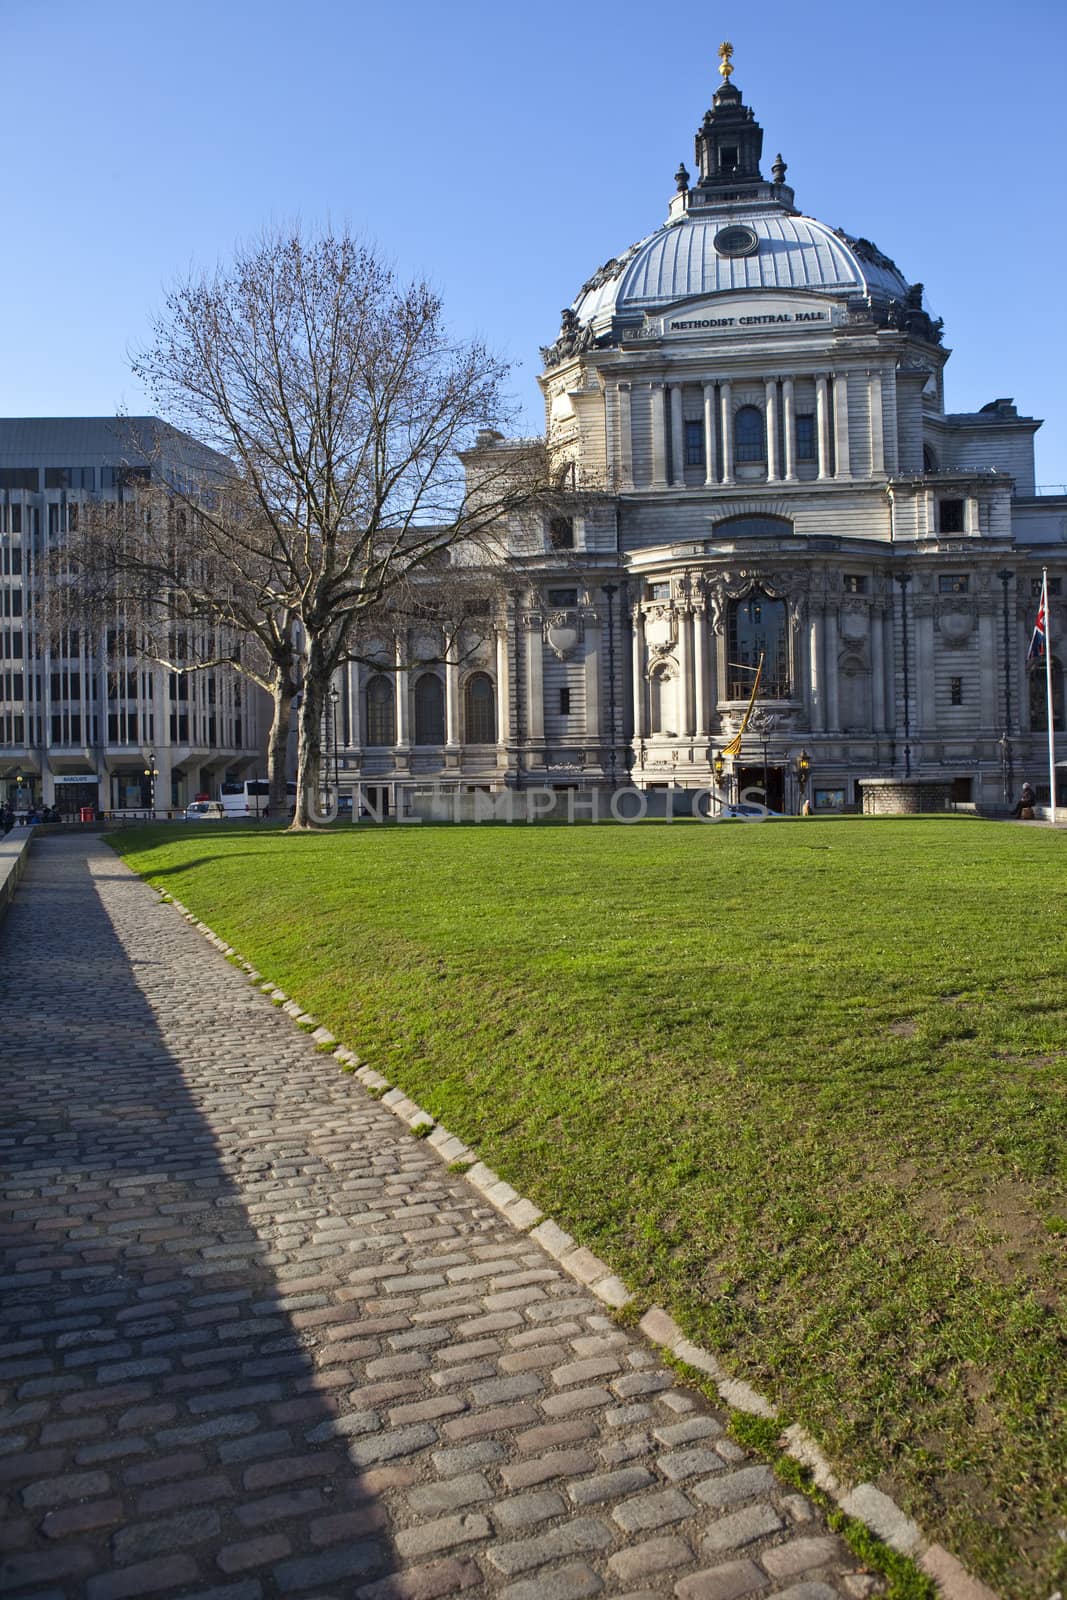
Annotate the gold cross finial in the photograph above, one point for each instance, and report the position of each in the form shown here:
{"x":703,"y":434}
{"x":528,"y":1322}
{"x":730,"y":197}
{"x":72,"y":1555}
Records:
{"x":726,"y":51}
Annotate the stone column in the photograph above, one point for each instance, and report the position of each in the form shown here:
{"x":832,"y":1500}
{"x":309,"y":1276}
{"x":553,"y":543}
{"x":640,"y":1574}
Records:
{"x":726,"y":402}
{"x":503,"y":687}
{"x":700,"y":670}
{"x":354,"y":719}
{"x":815,"y":687}
{"x":842,"y":464}
{"x":771,"y":405}
{"x":592,"y":678}
{"x":822,"y":425}
{"x":830,"y":651}
{"x":640,"y":701}
{"x":403,"y":721}
{"x":924,"y":715}
{"x":674,"y":400}
{"x":970,"y":516}
{"x":877,"y":673}
{"x":876,"y":423}
{"x":452,"y":704}
{"x":657,"y":392}
{"x":789,"y":430}
{"x":710,"y":464}
{"x":626,"y":439}
{"x":990,"y":713}
{"x":535,"y":710}
{"x":685,"y":695}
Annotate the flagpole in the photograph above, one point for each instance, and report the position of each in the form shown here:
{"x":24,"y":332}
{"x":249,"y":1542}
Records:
{"x":1048,"y":700}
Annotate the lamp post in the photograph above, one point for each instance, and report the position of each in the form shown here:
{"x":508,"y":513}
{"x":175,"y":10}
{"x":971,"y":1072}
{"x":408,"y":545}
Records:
{"x":803,"y":773}
{"x":718,"y":766}
{"x":335,"y":695}
{"x":151,"y":772}
{"x":904,"y":578}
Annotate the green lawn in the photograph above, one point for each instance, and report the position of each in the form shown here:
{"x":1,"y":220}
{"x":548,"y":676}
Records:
{"x":802,"y":1083}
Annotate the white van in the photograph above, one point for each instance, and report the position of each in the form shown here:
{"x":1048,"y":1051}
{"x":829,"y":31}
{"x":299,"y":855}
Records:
{"x":205,"y":811}
{"x":250,"y":797}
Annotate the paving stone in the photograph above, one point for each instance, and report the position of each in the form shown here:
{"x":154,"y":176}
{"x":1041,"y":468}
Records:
{"x":650,"y":1511}
{"x":726,"y":1582}
{"x":608,"y":1486}
{"x":800,"y":1555}
{"x":681,"y":1464}
{"x":649,"y":1559}
{"x":524,"y":1510}
{"x":735,"y":1487}
{"x":445,"y":1533}
{"x":576,"y":1537}
{"x":739,"y":1528}
{"x":572,"y":1582}
{"x":451,"y":1494}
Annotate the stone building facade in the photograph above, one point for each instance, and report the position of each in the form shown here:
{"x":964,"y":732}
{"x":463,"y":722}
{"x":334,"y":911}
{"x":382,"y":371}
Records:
{"x":746,"y":424}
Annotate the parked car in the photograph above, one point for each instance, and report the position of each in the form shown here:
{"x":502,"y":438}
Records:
{"x":205,"y":811}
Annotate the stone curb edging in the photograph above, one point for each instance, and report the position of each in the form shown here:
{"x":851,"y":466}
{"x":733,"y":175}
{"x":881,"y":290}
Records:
{"x":863,"y":1501}
{"x":14,"y":853}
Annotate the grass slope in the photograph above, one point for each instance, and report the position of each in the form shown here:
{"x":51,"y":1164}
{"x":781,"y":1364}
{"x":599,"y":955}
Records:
{"x":801,"y":1083}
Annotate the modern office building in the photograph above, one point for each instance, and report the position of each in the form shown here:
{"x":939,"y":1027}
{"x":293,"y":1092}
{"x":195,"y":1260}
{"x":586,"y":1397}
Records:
{"x":747,"y":411}
{"x":87,"y":720}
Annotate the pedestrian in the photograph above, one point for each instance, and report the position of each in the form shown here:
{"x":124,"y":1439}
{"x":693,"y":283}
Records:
{"x":1024,"y":806}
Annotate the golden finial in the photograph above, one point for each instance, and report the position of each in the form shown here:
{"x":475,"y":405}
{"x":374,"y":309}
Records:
{"x":726,"y":51}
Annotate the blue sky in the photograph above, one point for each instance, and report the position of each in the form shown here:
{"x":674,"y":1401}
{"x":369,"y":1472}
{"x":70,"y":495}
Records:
{"x":505,"y":151}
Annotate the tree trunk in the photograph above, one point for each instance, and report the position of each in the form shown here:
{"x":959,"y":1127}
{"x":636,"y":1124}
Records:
{"x":309,"y":753}
{"x":282,"y":695}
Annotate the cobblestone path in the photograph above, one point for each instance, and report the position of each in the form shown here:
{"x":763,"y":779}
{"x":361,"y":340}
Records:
{"x":259,"y":1342}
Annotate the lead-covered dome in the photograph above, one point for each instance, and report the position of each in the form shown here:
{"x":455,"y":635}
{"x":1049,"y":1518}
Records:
{"x":681,"y":260}
{"x":730,"y":232}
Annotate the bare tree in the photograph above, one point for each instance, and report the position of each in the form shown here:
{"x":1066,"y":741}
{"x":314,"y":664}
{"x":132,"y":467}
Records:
{"x":343,"y":403}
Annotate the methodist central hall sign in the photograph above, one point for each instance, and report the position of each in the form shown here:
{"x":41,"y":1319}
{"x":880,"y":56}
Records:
{"x":768,"y":319}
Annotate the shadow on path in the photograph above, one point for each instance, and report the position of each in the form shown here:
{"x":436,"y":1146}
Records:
{"x":168,"y":1421}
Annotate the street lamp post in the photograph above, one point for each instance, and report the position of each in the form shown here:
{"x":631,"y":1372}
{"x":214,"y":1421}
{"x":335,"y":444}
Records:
{"x":151,"y":772}
{"x":718,"y":766}
{"x":335,"y":695}
{"x":803,"y":773}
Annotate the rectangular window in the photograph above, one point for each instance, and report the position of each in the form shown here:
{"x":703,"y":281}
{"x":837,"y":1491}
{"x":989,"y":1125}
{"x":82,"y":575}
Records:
{"x":855,"y":583}
{"x":564,"y":702}
{"x":950,"y":516}
{"x":563,"y":597}
{"x":953,"y":583}
{"x":57,"y":477}
{"x":16,"y":519}
{"x":955,"y":691}
{"x":805,"y":432}
{"x":1054,"y":586}
{"x":694,"y":444}
{"x":20,"y":478}
{"x":659,"y":591}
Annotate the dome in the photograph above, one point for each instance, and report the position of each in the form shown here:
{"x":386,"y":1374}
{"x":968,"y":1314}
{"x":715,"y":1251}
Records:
{"x":680,"y":261}
{"x":733,"y":232}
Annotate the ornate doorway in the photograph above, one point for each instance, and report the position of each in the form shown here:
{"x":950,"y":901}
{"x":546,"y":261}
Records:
{"x":751,"y":777}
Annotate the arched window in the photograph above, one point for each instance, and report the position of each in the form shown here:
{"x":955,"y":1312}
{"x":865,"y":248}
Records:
{"x":480,"y":709}
{"x":429,"y":710}
{"x":1039,"y":697}
{"x":929,"y":459}
{"x":381,"y":711}
{"x":748,"y":435}
{"x":759,"y":626}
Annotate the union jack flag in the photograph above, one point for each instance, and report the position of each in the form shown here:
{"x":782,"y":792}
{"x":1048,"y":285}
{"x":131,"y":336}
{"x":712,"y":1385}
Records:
{"x":1036,"y":651}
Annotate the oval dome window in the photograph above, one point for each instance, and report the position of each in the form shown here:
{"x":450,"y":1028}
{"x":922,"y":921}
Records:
{"x":736,"y":241}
